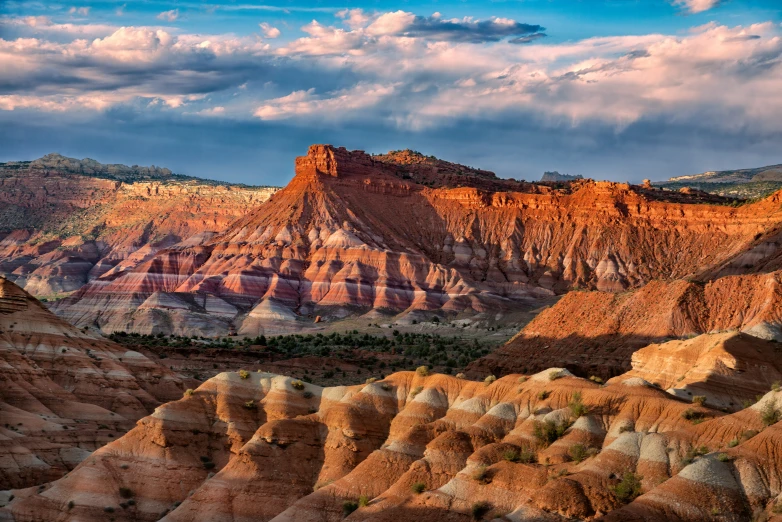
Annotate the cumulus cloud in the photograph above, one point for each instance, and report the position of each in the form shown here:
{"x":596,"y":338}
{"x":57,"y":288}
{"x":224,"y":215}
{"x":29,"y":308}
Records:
{"x":169,"y":16}
{"x":409,"y":72}
{"x":269,"y":31}
{"x":696,"y":6}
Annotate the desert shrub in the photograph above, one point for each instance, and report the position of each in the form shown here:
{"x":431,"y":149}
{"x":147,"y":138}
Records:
{"x":209,"y":465}
{"x":349,"y":506}
{"x":416,"y":391}
{"x":189,"y":392}
{"x":244,"y":374}
{"x":629,"y":488}
{"x":489,"y":379}
{"x":733,"y":443}
{"x":307,"y":394}
{"x":108,"y":509}
{"x":418,"y":488}
{"x":423,"y":371}
{"x":370,"y":380}
{"x":723,"y":457}
{"x":386,"y":386}
{"x":547,"y":432}
{"x":544,"y":395}
{"x":460,"y":376}
{"x":776,"y":386}
{"x":125,"y":492}
{"x":625,"y":428}
{"x":297,"y":385}
{"x":578,"y":452}
{"x":480,"y":509}
{"x":700,"y":400}
{"x":524,"y":455}
{"x":693,"y":453}
{"x":768,"y":413}
{"x":70,"y":504}
{"x":693,"y":416}
{"x":250,"y":405}
{"x":481,"y":474}
{"x":523,"y":379}
{"x":363,"y":501}
{"x":553,"y":375}
{"x":748,"y":434}
{"x":576,"y":406}
{"x":595,"y":378}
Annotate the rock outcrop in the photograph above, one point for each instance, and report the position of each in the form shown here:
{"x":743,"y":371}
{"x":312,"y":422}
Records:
{"x":65,"y":392}
{"x":598,"y":332}
{"x":66,"y":222}
{"x":354,"y":234}
{"x":550,"y":447}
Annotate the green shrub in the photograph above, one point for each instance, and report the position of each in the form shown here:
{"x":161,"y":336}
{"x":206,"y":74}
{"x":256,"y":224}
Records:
{"x":189,"y":392}
{"x":596,"y":379}
{"x":250,"y":405}
{"x":523,"y":379}
{"x":349,"y":506}
{"x":723,"y":457}
{"x":386,"y":386}
{"x":244,"y":374}
{"x":693,"y":416}
{"x":547,"y":432}
{"x":768,"y":413}
{"x":553,"y":375}
{"x":460,"y":376}
{"x":297,"y":385}
{"x":544,"y":395}
{"x":733,"y":443}
{"x":700,"y":400}
{"x":524,"y":455}
{"x":578,"y":452}
{"x":480,"y":509}
{"x":629,"y":488}
{"x":423,"y":371}
{"x":577,"y":407}
{"x":490,"y":379}
{"x":418,"y":487}
{"x":416,"y":391}
{"x":363,"y":501}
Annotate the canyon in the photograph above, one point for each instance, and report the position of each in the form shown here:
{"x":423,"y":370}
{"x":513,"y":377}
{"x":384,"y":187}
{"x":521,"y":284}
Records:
{"x":403,"y":237}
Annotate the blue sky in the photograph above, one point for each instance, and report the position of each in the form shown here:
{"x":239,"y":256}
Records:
{"x":619,"y":89}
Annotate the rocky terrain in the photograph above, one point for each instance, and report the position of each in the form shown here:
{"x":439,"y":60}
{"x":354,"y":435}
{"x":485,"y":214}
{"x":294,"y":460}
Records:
{"x":417,"y":446}
{"x":556,"y":176}
{"x":598,"y":332}
{"x":66,"y":222}
{"x":403,"y":237}
{"x":65,"y":392}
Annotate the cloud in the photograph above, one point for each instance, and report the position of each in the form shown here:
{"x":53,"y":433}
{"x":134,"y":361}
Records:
{"x":269,"y":31}
{"x":334,"y":106}
{"x":696,"y":6}
{"x":169,"y":16}
{"x":82,"y":11}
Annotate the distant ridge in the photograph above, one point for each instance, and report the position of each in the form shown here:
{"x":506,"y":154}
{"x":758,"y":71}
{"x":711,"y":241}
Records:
{"x":556,"y":176}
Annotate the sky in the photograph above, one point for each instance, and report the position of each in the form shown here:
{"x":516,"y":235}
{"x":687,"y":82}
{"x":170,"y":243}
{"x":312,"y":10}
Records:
{"x":609,"y":89}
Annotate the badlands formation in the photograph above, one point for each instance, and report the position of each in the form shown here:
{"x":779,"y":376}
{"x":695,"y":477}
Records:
{"x":405,"y":236}
{"x":415,"y":447}
{"x":64,"y":392}
{"x":65,"y":222}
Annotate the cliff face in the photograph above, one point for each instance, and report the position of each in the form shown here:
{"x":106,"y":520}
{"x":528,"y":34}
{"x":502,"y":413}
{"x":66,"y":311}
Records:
{"x":397,"y":233}
{"x":66,"y":222}
{"x":65,"y":392}
{"x":261,"y":447}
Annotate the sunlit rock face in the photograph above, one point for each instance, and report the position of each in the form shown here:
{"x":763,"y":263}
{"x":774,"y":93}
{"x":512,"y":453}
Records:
{"x":399,"y":233}
{"x":264,"y":447}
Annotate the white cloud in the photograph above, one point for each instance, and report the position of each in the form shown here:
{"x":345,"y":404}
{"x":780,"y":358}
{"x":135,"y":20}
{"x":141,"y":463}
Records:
{"x":82,"y":11}
{"x":269,"y":31}
{"x":335,"y":105}
{"x":169,"y":16}
{"x":696,"y":6}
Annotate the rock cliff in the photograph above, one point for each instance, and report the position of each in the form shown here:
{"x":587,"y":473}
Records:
{"x":66,"y":222}
{"x":357,"y":234}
